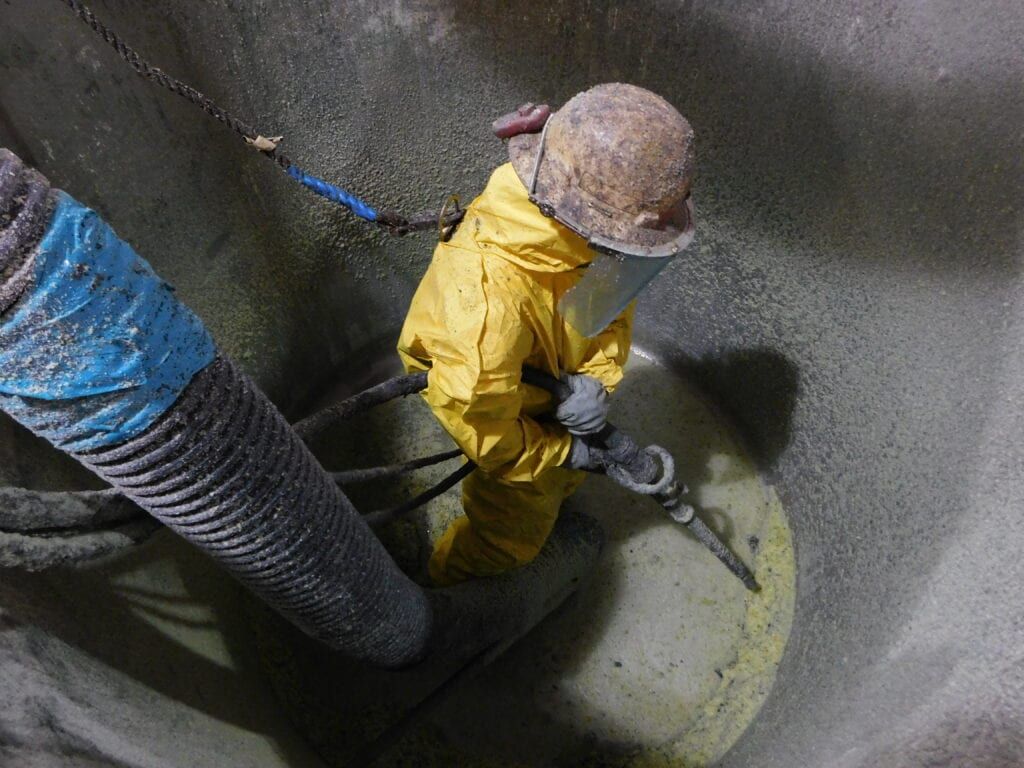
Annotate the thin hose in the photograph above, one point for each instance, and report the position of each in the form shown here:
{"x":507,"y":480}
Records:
{"x":708,"y":538}
{"x":399,"y":386}
{"x":383,"y":517}
{"x":356,"y":476}
{"x":638,"y":470}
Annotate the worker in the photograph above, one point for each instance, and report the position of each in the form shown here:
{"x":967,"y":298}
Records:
{"x":542,"y":272}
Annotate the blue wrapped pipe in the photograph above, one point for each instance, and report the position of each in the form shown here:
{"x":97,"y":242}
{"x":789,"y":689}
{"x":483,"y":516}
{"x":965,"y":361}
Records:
{"x":98,"y":356}
{"x":100,"y":347}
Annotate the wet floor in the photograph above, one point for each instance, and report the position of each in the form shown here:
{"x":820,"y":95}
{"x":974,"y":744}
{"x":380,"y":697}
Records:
{"x":664,"y":657}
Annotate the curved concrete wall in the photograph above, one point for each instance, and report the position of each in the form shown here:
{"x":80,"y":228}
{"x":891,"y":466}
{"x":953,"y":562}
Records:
{"x":855,"y":301}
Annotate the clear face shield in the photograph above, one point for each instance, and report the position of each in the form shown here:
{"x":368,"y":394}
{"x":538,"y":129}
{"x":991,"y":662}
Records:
{"x":605,"y":290}
{"x":617,"y":276}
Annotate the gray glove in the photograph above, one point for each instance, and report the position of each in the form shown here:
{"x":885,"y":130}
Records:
{"x":584,"y":456}
{"x":585,"y":411}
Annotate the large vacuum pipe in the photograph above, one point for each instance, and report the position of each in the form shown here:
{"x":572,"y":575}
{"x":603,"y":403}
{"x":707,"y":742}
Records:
{"x":99,"y":357}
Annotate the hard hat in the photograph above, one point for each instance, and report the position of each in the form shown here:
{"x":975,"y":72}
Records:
{"x":614,"y":165}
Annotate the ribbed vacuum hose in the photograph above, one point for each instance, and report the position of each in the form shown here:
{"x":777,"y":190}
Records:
{"x":223,"y":468}
{"x":25,"y":201}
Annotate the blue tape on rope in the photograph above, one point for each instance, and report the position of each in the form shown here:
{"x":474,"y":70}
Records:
{"x":100,"y":346}
{"x":331,"y":192}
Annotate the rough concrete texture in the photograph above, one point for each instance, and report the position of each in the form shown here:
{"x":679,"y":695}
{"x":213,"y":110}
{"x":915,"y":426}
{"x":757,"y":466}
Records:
{"x":646,"y":660}
{"x":662,"y":655}
{"x":855,"y":300}
{"x":140,"y":662}
{"x":349,"y":711}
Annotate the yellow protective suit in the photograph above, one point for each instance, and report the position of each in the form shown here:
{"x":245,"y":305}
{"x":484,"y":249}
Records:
{"x":485,"y":308}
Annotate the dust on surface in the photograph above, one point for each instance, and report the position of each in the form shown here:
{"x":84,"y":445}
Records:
{"x":745,"y":683}
{"x":663,"y":658}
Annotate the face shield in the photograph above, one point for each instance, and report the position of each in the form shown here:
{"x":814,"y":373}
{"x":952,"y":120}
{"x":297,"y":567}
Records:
{"x":616,"y":277}
{"x":605,"y":290}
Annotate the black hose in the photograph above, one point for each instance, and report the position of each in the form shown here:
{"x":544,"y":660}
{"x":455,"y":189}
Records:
{"x":222,"y":468}
{"x":47,"y":529}
{"x":356,"y":476}
{"x":643,"y":469}
{"x":619,"y":446}
{"x":39,"y":551}
{"x":27,"y":511}
{"x":382,"y":517}
{"x":708,"y":538}
{"x":399,"y":386}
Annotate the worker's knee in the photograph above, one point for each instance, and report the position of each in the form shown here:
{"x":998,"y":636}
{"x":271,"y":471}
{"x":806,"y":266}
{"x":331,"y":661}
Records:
{"x":505,"y":553}
{"x":505,"y":527}
{"x":472,"y":550}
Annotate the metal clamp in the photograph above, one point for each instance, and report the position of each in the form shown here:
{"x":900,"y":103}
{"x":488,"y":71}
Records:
{"x":621,"y":475}
{"x":444,"y":233}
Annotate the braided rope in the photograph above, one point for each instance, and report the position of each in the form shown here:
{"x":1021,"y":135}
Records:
{"x":172,"y":84}
{"x":395,"y":222}
{"x":332,"y":193}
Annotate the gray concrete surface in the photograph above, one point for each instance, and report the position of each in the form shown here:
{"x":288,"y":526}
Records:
{"x":855,"y":301}
{"x":662,"y":651}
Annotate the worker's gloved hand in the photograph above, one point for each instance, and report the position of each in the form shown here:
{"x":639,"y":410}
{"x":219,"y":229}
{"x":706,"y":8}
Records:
{"x":585,"y":411}
{"x":584,"y":456}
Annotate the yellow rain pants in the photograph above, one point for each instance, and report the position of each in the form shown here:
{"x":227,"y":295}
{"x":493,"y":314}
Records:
{"x":486,"y":307}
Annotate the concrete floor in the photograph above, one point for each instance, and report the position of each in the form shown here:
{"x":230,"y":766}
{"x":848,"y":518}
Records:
{"x":160,"y":625}
{"x":628,"y":667}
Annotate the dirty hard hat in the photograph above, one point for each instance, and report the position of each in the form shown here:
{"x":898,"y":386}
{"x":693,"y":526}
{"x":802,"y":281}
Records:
{"x":614,"y":164}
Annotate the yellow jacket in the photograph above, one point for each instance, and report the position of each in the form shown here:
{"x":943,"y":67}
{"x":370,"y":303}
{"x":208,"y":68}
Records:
{"x":485,"y":308}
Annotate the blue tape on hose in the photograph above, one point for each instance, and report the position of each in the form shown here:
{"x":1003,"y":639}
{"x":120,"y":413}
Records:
{"x":331,"y":192}
{"x":99,"y":347}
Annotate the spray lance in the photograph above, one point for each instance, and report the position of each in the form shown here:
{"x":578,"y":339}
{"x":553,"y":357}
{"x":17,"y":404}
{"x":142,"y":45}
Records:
{"x":649,"y":471}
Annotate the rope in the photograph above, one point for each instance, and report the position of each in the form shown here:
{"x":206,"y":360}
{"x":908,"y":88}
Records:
{"x":394,"y":222}
{"x":333,"y":193}
{"x":172,"y":84}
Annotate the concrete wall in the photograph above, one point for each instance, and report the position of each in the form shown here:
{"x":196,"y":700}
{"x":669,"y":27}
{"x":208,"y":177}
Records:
{"x":855,"y":301}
